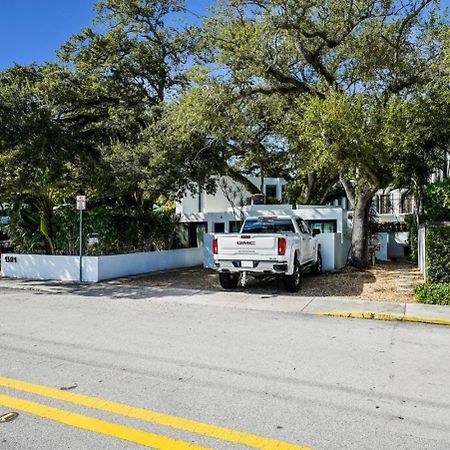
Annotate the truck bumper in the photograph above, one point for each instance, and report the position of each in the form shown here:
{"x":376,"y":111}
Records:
{"x":256,"y":267}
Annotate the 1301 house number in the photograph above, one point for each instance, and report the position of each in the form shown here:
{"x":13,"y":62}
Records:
{"x":10,"y":259}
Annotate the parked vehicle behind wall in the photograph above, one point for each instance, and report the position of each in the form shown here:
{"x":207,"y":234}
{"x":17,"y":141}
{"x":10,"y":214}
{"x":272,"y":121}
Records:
{"x":267,"y":246}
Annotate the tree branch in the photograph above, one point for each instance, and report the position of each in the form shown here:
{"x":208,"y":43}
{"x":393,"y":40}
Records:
{"x":349,"y":191}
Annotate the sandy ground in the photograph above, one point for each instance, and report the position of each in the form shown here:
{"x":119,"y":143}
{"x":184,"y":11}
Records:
{"x":392,"y":282}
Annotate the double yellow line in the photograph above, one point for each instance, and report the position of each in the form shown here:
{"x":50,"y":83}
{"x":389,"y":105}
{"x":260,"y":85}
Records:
{"x":123,"y":432}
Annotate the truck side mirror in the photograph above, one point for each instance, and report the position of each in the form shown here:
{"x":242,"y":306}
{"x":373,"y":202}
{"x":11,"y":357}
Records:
{"x":316,"y":232}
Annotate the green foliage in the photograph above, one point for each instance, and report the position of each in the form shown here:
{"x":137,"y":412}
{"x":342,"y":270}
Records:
{"x":437,"y":201}
{"x":117,"y":231}
{"x":438,"y":253}
{"x":361,"y":88}
{"x":92,"y":122}
{"x":434,"y":293}
{"x":23,"y":230}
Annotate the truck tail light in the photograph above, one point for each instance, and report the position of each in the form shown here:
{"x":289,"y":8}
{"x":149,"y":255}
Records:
{"x":281,"y":246}
{"x":215,"y":246}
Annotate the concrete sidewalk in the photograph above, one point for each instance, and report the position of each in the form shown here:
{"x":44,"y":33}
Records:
{"x":259,"y":301}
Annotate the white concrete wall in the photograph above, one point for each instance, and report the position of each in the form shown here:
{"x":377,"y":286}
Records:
{"x":421,"y":249}
{"x":327,"y":248}
{"x":48,"y":267}
{"x":342,"y":246}
{"x":115,"y":266}
{"x":188,"y":204}
{"x":334,"y":250}
{"x":97,"y":268}
{"x":397,"y":242}
{"x":318,"y":212}
{"x":217,"y":202}
{"x":382,"y":254}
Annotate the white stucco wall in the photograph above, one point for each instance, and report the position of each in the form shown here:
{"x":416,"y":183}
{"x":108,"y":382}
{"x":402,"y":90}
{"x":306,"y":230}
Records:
{"x":382,"y":253}
{"x":115,"y":266}
{"x":218,"y":202}
{"x":342,"y":247}
{"x":318,"y":212}
{"x":97,"y":268}
{"x":397,"y":242}
{"x":328,"y":250}
{"x":48,"y":267}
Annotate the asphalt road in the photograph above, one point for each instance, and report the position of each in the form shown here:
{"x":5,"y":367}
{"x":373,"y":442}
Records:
{"x":316,"y":382}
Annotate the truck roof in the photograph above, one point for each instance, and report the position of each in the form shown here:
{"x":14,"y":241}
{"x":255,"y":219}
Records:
{"x":271,"y":216}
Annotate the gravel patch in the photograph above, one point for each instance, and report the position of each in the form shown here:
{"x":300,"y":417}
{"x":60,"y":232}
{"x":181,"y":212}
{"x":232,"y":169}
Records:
{"x":390,"y":282}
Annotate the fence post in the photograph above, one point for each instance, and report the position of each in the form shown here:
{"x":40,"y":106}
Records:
{"x":421,"y":251}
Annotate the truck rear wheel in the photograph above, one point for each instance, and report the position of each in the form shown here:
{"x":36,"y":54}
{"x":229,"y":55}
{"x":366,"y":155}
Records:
{"x":292,"y":282}
{"x":228,"y":281}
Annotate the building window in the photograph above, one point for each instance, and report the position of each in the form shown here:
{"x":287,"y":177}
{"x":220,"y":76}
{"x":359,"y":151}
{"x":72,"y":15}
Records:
{"x":385,"y":204}
{"x":325,"y":226}
{"x":219,"y":227}
{"x":271,"y":191}
{"x":235,"y":226}
{"x":406,"y":204}
{"x":376,"y":204}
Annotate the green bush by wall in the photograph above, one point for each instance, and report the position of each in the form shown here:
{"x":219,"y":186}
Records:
{"x":438,"y":253}
{"x":437,"y":294}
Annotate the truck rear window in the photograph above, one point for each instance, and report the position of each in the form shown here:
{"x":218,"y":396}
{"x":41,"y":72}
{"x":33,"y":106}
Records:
{"x":255,"y":226}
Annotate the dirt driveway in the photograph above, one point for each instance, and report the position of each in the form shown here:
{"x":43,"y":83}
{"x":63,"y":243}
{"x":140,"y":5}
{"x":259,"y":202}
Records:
{"x":390,"y":282}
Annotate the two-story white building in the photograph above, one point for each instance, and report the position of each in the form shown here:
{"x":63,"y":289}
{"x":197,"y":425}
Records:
{"x":224,"y":211}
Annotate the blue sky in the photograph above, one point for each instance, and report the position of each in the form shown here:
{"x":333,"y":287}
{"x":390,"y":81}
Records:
{"x":31,"y":30}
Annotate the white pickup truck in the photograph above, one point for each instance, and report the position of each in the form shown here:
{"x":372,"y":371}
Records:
{"x":267,"y":246}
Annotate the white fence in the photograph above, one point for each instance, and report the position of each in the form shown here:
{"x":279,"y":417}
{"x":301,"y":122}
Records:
{"x":97,"y":268}
{"x":334,"y":251}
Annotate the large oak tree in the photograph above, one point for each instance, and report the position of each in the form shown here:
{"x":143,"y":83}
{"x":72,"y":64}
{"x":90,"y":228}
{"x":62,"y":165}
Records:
{"x":343,"y":66}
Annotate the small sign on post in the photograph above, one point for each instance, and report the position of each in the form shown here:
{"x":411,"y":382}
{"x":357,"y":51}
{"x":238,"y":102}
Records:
{"x":81,"y":202}
{"x":81,"y":206}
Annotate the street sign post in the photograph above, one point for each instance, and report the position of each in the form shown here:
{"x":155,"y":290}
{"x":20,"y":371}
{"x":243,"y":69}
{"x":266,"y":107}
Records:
{"x":81,"y":206}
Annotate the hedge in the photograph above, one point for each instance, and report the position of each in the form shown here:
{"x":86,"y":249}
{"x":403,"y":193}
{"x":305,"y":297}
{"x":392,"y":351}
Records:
{"x":437,"y":294}
{"x":438,"y":253}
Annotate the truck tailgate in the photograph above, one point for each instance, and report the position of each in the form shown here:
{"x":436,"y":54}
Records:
{"x":249,"y":246}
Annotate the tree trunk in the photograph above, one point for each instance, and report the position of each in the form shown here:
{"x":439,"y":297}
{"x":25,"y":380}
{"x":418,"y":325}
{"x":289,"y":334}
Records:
{"x":311,"y":182}
{"x":360,"y":257}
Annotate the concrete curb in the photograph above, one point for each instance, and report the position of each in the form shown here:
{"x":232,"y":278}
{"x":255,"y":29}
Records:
{"x":386,"y":316}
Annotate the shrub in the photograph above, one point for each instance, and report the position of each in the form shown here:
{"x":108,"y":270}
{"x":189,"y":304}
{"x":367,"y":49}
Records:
{"x":119,"y":230}
{"x":437,"y":294}
{"x":437,"y":201}
{"x":438,"y":253}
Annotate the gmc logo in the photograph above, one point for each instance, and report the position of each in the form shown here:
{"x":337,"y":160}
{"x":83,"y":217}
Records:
{"x":245,"y":242}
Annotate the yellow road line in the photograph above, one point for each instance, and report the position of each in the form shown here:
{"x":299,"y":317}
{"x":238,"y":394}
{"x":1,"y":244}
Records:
{"x":387,"y":316}
{"x":97,"y":425}
{"x":204,"y":429}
